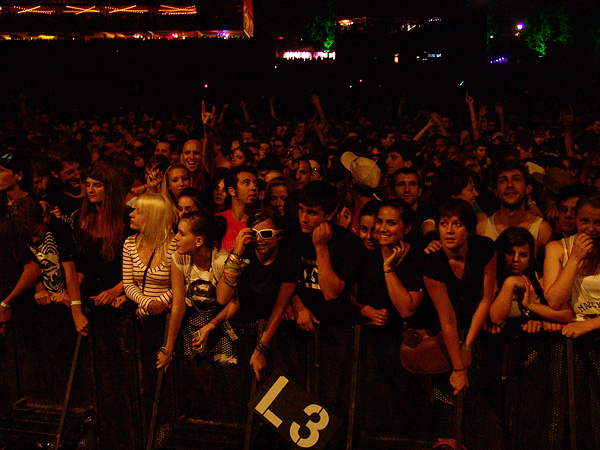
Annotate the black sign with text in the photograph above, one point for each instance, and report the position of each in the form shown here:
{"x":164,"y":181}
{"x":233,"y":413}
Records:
{"x":294,"y":413}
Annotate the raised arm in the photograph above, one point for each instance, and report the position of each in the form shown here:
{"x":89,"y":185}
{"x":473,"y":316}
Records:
{"x":331,"y":285}
{"x":315,"y":100}
{"x":471,"y":103}
{"x":558,"y":280}
{"x":404,"y":301}
{"x":424,"y":130}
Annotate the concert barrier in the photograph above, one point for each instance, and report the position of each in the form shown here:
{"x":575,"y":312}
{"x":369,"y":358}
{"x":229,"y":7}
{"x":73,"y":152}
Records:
{"x":339,"y":388}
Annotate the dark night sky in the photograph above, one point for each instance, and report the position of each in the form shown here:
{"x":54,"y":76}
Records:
{"x":276,"y":17}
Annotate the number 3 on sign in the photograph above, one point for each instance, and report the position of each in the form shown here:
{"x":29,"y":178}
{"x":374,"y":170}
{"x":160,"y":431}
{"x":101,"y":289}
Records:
{"x":313,"y":427}
{"x":313,"y":409}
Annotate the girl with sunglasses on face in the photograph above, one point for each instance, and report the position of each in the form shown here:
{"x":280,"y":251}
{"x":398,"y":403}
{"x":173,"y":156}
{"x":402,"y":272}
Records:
{"x":266,"y":285}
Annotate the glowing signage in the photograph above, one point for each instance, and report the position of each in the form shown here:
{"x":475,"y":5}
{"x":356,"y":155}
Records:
{"x":308,"y":55}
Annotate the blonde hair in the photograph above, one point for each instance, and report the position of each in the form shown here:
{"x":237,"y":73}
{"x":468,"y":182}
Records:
{"x":164,"y":188}
{"x":160,"y":218}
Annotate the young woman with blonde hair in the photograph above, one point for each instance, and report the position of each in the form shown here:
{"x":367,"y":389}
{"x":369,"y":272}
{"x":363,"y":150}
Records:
{"x":147,"y":255}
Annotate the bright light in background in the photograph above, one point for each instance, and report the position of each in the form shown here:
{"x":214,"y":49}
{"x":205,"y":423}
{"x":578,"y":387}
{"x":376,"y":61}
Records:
{"x":520,"y":26}
{"x":491,"y":36}
{"x":396,"y":58}
{"x":501,"y":59}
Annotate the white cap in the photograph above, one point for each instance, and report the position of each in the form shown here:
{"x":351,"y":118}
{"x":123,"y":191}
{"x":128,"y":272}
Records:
{"x":365,"y":171}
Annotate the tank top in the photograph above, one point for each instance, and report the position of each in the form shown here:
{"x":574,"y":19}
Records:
{"x":585,"y":295}
{"x":491,"y":232}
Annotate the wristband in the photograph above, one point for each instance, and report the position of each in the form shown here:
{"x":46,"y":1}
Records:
{"x":164,"y":351}
{"x":260,"y":348}
{"x":464,"y":369}
{"x":263,"y":343}
{"x":388,"y":271}
{"x":5,"y":305}
{"x":75,"y":302}
{"x":466,"y":349}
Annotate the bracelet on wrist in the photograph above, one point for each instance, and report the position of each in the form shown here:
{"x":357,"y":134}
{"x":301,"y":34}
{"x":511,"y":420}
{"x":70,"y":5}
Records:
{"x":5,"y":305}
{"x":464,"y":369}
{"x":263,"y":343}
{"x":466,"y":349}
{"x":75,"y":302}
{"x":388,"y":271}
{"x":164,"y":351}
{"x":260,"y":348}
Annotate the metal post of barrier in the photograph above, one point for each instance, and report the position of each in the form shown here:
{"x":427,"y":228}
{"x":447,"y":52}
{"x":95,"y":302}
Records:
{"x":250,"y":418}
{"x":65,"y":406}
{"x":571,"y":386}
{"x":161,"y":374}
{"x":506,"y":391}
{"x":459,"y":421}
{"x":353,"y":386}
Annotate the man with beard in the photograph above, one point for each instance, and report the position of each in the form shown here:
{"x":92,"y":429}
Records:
{"x":66,"y":191}
{"x":242,"y":185}
{"x":512,"y":188}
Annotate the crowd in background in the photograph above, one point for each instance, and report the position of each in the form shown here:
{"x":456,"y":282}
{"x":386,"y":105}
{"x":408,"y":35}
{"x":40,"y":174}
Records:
{"x":459,"y":223}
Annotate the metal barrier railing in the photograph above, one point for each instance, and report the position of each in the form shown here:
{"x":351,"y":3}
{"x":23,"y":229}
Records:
{"x":518,"y":396}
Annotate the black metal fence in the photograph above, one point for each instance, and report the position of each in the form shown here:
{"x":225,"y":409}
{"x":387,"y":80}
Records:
{"x":518,"y":396}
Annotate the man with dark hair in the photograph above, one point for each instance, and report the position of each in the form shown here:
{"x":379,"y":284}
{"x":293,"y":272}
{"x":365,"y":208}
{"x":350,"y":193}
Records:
{"x":242,"y":185}
{"x":52,"y":242}
{"x":568,"y":196}
{"x":66,"y":192}
{"x":398,"y":156}
{"x":163,"y":148}
{"x":512,"y":188}
{"x":330,"y":258}
{"x":407,"y":185}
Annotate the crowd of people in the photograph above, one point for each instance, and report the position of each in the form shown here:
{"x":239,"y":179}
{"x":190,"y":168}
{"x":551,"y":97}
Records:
{"x":429,"y":222}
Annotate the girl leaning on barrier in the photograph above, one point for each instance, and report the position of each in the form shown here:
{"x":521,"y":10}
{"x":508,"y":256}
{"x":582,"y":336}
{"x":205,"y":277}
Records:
{"x":264,"y":275}
{"x":391,"y":287}
{"x":147,"y":255}
{"x":521,"y":294}
{"x":572,"y":270}
{"x":196,"y":269}
{"x":460,"y":279}
{"x":100,"y":234}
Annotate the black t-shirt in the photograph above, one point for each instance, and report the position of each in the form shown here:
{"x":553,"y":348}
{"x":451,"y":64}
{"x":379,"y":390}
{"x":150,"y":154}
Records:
{"x":14,"y":254}
{"x":372,"y":288}
{"x":69,"y":206}
{"x":345,"y":250}
{"x":464,"y":295}
{"x":57,"y":246}
{"x":259,"y":284}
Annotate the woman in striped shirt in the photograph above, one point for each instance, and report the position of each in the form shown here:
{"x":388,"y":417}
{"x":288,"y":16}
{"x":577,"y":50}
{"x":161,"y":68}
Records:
{"x":147,"y":255}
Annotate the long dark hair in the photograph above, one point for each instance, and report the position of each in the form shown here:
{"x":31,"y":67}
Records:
{"x":112,"y":227}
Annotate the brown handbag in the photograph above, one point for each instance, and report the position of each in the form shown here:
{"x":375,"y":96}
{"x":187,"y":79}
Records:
{"x":424,"y":353}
